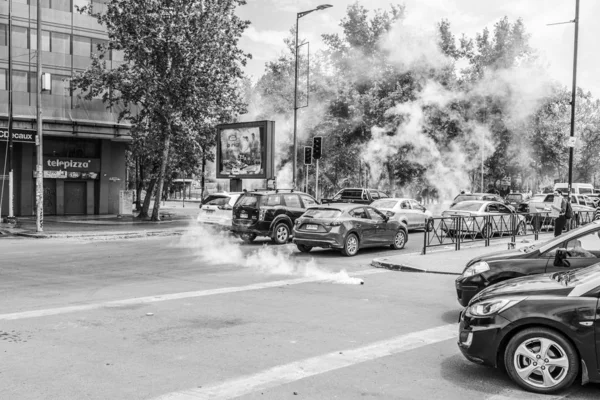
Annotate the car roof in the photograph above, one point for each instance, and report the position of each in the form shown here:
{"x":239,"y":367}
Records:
{"x":395,"y":198}
{"x":341,"y":206}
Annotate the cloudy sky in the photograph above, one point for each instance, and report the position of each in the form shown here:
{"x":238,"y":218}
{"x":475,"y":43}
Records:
{"x":273,"y":19}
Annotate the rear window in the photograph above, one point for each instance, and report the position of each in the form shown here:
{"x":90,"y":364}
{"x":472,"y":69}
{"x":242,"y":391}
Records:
{"x":221,"y":201}
{"x":322,"y":213}
{"x":515,"y":197}
{"x":586,"y":190}
{"x":466,"y":207}
{"x":349,"y":194}
{"x":384,"y":204}
{"x":248,"y":200}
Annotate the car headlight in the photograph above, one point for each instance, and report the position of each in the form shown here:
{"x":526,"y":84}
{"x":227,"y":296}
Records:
{"x":491,"y":307}
{"x":476,"y":268}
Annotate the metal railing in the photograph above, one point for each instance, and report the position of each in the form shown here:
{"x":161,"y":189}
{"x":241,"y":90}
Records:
{"x":456,"y":230}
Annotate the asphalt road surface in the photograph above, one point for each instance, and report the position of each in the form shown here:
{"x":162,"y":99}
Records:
{"x":202,"y":317}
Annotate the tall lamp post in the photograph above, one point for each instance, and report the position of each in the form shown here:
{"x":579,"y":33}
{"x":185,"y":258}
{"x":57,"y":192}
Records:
{"x":298,"y":16}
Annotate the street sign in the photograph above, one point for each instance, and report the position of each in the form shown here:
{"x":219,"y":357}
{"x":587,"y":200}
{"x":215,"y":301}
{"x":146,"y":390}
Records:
{"x":19,"y":135}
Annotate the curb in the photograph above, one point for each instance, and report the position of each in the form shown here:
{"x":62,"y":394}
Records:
{"x":378,"y":263}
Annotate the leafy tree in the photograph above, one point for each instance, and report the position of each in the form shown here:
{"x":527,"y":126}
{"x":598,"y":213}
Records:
{"x":180,"y":74}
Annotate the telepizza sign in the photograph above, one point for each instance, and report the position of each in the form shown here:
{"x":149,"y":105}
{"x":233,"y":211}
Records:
{"x":19,"y":135}
{"x":72,"y":164}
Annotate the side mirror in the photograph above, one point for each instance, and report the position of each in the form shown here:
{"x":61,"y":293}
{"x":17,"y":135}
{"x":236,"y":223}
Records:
{"x":560,"y":260}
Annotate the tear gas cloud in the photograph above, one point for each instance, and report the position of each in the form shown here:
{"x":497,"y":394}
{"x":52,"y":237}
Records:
{"x":219,"y":248}
{"x":448,"y":164}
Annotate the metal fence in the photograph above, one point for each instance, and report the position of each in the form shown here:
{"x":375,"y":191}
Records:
{"x":457,"y":229}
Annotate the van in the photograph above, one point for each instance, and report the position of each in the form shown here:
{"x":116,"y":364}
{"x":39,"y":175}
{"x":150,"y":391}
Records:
{"x":577,"y":188}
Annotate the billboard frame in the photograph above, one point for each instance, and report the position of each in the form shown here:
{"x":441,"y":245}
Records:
{"x":267,"y":149}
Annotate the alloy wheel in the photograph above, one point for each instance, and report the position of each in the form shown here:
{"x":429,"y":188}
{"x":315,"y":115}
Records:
{"x":282,"y":233}
{"x":399,"y":240}
{"x":541,"y":362}
{"x":351,"y":247}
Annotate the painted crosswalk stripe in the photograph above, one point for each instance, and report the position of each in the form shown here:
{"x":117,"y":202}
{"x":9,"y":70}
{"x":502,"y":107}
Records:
{"x":295,"y":371}
{"x":173,"y":296}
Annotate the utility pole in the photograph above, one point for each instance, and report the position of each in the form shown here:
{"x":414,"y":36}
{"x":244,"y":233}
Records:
{"x":573,"y":96}
{"x":39,"y":181}
{"x":11,"y":182}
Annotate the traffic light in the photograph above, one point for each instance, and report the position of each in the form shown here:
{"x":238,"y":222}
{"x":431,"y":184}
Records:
{"x":307,"y":155}
{"x":317,"y":147}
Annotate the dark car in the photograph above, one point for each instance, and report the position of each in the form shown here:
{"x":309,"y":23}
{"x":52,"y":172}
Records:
{"x":477,"y":196}
{"x":576,"y":249}
{"x":356,"y":195}
{"x":269,"y":213}
{"x":514,"y":199}
{"x":542,"y":329}
{"x":347,"y":227}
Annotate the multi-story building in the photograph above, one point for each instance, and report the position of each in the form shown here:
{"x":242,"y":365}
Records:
{"x":84,"y":145}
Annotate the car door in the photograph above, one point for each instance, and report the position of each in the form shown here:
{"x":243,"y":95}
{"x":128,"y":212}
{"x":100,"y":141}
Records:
{"x":366,"y":227}
{"x":293,"y":205}
{"x":505,"y":216}
{"x":407,"y":211}
{"x":384,"y":230}
{"x":419,"y":212}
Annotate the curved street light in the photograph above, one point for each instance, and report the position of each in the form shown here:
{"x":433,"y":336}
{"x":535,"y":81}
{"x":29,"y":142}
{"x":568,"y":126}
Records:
{"x":298,"y":16}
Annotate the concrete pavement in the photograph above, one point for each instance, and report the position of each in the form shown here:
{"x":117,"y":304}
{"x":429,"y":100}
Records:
{"x":448,"y":261}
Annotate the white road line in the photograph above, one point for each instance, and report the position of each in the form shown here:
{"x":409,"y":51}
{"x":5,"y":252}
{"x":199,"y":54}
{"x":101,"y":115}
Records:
{"x":295,"y":371}
{"x":173,"y":296}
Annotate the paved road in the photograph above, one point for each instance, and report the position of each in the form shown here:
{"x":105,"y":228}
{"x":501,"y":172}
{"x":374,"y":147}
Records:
{"x":198,"y":317}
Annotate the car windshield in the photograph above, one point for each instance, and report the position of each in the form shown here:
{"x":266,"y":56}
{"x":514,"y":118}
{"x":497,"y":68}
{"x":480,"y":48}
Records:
{"x":349,"y":194}
{"x":466,"y":206}
{"x":516,"y":197}
{"x":466,"y":197}
{"x":219,"y":201}
{"x":384,"y":203}
{"x":322,"y":213}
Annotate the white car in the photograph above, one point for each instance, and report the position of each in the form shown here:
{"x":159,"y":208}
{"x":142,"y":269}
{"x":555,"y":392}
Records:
{"x":408,"y":211}
{"x":217,"y":210}
{"x":484,"y":217}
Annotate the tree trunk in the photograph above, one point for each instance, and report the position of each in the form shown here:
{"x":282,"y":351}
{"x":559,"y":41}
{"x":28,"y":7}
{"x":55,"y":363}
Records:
{"x":139,"y":184}
{"x":144,"y":212}
{"x":161,"y":174}
{"x":202,"y":179}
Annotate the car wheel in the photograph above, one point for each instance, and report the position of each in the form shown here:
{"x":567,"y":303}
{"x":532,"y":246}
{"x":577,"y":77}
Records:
{"x":281,"y":234}
{"x":350,"y":245}
{"x":248,"y":237}
{"x":304,"y":248}
{"x":541,"y":360}
{"x":399,"y":240}
{"x":521,"y":229}
{"x":487,"y":231}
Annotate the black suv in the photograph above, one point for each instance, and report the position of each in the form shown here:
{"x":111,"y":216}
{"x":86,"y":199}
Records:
{"x":269,"y":213}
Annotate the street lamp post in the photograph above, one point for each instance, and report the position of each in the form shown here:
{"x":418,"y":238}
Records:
{"x":298,"y":16}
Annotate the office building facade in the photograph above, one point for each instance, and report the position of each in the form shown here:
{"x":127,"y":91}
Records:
{"x":84,"y":145}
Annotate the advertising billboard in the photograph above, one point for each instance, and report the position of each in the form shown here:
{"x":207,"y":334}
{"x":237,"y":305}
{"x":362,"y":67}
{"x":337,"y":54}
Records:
{"x":245,"y":150}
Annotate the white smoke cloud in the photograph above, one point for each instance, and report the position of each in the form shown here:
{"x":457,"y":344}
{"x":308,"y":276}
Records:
{"x":221,"y":248}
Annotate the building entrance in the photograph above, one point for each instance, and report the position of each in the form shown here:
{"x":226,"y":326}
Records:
{"x":75,"y":197}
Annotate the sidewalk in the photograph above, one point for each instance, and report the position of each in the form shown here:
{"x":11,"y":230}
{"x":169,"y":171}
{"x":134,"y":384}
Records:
{"x":446,"y":261}
{"x":175,"y":219}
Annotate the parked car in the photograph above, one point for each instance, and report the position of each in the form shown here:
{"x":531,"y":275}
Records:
{"x":542,"y":329}
{"x":408,"y":211}
{"x":514,"y":199}
{"x":269,"y":213}
{"x":577,"y":248}
{"x":543,"y":204}
{"x":217,"y":211}
{"x":484,"y":217}
{"x":576,"y":188}
{"x":347,"y":227}
{"x":356,"y":195}
{"x":477,"y":196}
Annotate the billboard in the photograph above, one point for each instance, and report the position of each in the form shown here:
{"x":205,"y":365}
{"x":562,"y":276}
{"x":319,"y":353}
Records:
{"x":245,"y":150}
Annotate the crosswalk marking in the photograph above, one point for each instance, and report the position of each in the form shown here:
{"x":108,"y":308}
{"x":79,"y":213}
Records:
{"x":172,"y":296}
{"x":295,"y":371}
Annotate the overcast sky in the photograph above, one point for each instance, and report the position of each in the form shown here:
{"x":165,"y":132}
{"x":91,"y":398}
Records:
{"x":273,"y":19}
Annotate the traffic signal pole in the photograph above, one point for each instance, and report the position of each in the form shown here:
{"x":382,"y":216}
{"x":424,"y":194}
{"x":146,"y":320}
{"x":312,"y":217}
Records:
{"x":317,"y":181}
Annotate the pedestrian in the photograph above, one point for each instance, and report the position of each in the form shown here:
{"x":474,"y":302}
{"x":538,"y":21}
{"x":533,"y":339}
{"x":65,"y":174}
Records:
{"x":565,"y":212}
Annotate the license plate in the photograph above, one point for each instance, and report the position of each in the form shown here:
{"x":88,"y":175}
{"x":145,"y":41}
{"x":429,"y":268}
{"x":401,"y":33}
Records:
{"x":311,"y":227}
{"x":243,"y":215}
{"x":210,"y":211}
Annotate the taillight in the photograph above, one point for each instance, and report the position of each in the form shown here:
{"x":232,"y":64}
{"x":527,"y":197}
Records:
{"x":334,"y":223}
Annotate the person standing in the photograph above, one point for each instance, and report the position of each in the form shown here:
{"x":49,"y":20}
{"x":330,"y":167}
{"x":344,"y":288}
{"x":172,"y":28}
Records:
{"x":561,"y":220}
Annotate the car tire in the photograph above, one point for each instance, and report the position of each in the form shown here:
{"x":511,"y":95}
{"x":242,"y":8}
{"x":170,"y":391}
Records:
{"x":350,"y":245}
{"x":526,"y":359}
{"x":281,"y":233}
{"x":487,"y":231}
{"x":304,"y":248}
{"x":399,"y":240}
{"x":248,"y":237}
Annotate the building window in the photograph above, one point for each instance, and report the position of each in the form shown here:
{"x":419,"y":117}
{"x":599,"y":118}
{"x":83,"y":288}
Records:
{"x":19,"y":37}
{"x":3,"y":80}
{"x":61,"y":85}
{"x":21,"y":1}
{"x":20,"y":81}
{"x":100,"y":42}
{"x":60,"y":43}
{"x":32,"y":82}
{"x":3,"y":34}
{"x":82,"y":46}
